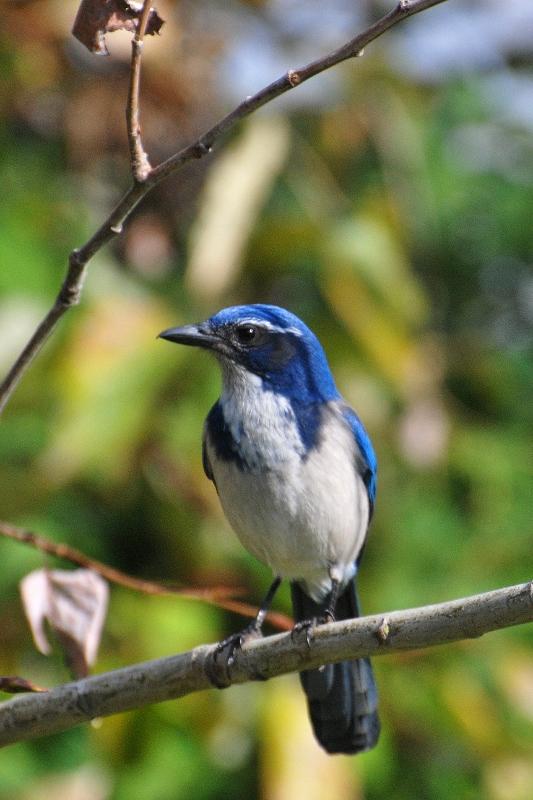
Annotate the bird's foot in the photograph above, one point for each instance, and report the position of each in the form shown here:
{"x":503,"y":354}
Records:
{"x":328,"y":616}
{"x":235,"y":642}
{"x":309,"y":625}
{"x":217,"y":669}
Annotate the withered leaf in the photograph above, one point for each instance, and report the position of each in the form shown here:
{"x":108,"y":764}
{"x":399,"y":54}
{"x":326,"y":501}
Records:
{"x":95,"y":18}
{"x":74,"y":603}
{"x":14,"y":684}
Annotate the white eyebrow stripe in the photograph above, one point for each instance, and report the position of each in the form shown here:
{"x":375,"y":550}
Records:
{"x":263,"y":323}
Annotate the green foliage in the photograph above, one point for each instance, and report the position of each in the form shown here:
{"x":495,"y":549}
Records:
{"x":409,"y":259}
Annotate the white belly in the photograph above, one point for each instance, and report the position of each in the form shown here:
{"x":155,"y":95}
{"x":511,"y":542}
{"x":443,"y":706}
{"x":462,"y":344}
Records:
{"x":305,"y":517}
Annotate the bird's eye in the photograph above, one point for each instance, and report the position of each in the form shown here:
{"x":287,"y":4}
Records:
{"x":246,"y":333}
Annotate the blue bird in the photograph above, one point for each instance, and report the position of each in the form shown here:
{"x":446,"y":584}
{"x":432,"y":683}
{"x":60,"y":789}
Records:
{"x":295,"y":472}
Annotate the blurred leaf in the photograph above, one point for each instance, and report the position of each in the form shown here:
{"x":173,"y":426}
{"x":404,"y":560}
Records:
{"x":515,"y":674}
{"x":233,"y":196}
{"x":385,"y":343}
{"x":374,"y":250}
{"x":85,"y":783}
{"x":107,"y":378}
{"x":509,"y":778}
{"x":473,"y":707}
{"x":367,"y":280}
{"x":294,"y":764}
{"x":37,"y":227}
{"x":74,"y":603}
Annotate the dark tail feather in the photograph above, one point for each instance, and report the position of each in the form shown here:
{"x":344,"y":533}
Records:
{"x":342,"y":698}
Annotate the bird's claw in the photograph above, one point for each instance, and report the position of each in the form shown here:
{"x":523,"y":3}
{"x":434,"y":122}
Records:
{"x":309,"y":625}
{"x":232,"y":644}
{"x":235,"y":642}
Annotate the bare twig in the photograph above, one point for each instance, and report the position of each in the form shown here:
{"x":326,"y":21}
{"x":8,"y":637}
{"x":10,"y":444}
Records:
{"x":71,"y":289}
{"x":30,"y":716}
{"x":220,"y":596}
{"x":140,"y":165}
{"x":288,"y":81}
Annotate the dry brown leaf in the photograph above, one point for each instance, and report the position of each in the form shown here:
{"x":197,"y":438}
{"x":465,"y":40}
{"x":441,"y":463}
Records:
{"x":95,"y":18}
{"x":14,"y":684}
{"x":74,"y":603}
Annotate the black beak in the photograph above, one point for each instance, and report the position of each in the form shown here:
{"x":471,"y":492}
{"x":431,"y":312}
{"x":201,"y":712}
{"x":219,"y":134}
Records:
{"x":195,"y":335}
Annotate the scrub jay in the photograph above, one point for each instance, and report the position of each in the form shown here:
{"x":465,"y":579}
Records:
{"x":295,"y":472}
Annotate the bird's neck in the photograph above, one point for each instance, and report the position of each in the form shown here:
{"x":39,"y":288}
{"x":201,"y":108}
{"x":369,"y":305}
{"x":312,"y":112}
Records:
{"x":264,"y":424}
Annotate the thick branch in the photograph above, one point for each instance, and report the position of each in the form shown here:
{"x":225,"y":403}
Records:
{"x":29,"y":716}
{"x":145,"y":178}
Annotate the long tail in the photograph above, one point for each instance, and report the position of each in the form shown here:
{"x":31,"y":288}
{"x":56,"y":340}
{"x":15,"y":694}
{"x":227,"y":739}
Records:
{"x":342,"y":698}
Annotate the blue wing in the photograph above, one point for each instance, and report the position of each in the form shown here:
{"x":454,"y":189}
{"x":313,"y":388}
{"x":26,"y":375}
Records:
{"x":366,"y":461}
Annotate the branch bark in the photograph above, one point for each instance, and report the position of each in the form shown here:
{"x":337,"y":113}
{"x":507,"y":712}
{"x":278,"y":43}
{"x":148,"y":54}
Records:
{"x":140,"y":165}
{"x":145,"y":178}
{"x":29,"y":716}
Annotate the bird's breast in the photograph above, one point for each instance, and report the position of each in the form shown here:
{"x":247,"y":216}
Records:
{"x":300,"y":510}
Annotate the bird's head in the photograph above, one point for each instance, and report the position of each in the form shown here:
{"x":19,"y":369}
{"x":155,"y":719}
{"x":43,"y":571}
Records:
{"x":266,"y":341}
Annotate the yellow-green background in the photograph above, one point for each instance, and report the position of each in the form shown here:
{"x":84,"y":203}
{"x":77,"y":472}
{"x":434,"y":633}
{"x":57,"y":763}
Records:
{"x":390,"y":207}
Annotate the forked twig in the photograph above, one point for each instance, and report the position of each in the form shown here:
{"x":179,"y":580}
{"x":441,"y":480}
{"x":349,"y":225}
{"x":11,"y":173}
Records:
{"x":145,"y":178}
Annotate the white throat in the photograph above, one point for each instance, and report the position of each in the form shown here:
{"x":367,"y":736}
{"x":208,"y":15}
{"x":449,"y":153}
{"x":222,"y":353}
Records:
{"x":261,"y":422}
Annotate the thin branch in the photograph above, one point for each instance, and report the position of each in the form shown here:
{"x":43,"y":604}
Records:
{"x":74,"y":556}
{"x":140,"y":165}
{"x":70,"y":292}
{"x":29,"y":716}
{"x":221,"y":596}
{"x":292,"y":78}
